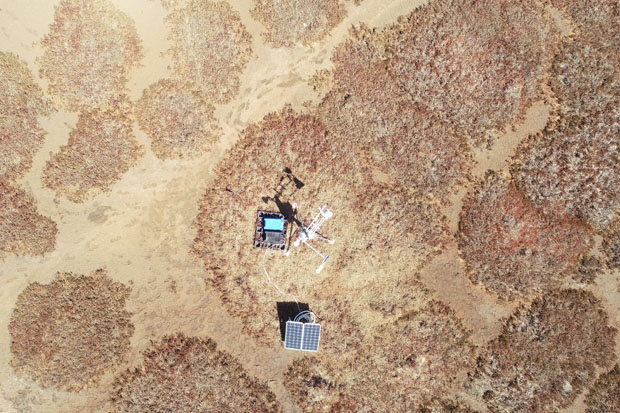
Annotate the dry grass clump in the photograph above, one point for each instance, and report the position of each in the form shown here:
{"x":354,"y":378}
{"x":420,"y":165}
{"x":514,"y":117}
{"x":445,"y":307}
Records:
{"x":546,"y":355}
{"x":476,"y":64}
{"x":21,"y":102}
{"x":406,"y":366}
{"x":510,"y":246}
{"x":188,"y":374}
{"x":585,"y":78}
{"x":604,"y":395}
{"x":291,"y":22}
{"x":211,"y":47}
{"x":597,"y":21}
{"x":101,"y":148}
{"x":89,"y":51}
{"x":444,"y":406}
{"x":68,"y":333}
{"x":574,"y":167}
{"x":178,"y":120}
{"x":373,"y":226}
{"x":369,"y":108}
{"x":23,"y":231}
{"x":611,"y":245}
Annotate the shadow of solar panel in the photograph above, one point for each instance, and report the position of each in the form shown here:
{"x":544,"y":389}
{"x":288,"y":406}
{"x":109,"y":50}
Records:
{"x":294,"y":332}
{"x":311,"y":337}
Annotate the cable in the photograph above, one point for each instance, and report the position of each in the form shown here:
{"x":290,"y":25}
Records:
{"x":274,"y":284}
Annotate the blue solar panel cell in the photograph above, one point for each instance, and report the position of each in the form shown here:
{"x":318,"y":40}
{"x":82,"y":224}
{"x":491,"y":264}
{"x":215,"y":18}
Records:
{"x":293,"y":335}
{"x":311,"y":337}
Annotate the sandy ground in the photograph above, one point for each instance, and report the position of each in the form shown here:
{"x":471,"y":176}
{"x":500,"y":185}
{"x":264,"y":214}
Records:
{"x":141,"y":230}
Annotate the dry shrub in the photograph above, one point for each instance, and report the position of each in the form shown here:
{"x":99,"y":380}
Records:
{"x":597,"y":21}
{"x":178,"y":120}
{"x":101,"y":148}
{"x":611,"y":245}
{"x":444,"y":406}
{"x":68,"y":333}
{"x":377,"y":229}
{"x":368,"y":107}
{"x":585,"y":78}
{"x":292,"y":22}
{"x":188,"y":374}
{"x":211,"y":47}
{"x":21,"y":102}
{"x":510,"y":246}
{"x":574,"y":167}
{"x":590,"y":267}
{"x":23,"y":231}
{"x":408,"y":363}
{"x":604,"y":395}
{"x":547,"y":354}
{"x":477,"y":64}
{"x":89,"y":51}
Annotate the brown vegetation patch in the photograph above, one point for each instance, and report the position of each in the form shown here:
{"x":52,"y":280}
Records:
{"x":604,"y":395}
{"x":444,"y":406}
{"x":291,"y":22}
{"x":377,"y":228}
{"x":23,"y":231}
{"x":611,"y":245}
{"x":368,"y":107}
{"x":546,"y":355}
{"x":585,"y":78}
{"x":68,"y":333}
{"x":408,"y":364}
{"x":510,"y":246}
{"x":574,"y":168}
{"x":476,"y":64}
{"x":89,"y":51}
{"x":21,"y":102}
{"x":101,"y":148}
{"x":597,"y":21}
{"x":178,"y":120}
{"x":188,"y":374}
{"x":211,"y":47}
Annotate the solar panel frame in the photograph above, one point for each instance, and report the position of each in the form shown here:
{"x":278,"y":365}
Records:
{"x":293,"y":335}
{"x":311,"y":337}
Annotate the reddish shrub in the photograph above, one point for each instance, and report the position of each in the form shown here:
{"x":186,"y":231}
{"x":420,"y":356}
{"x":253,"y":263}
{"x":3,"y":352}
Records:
{"x":510,"y":246}
{"x":21,"y":102}
{"x":477,"y":64}
{"x":101,"y":148}
{"x":585,"y":79}
{"x":407,"y":365}
{"x":178,"y":120}
{"x":604,"y":395}
{"x":188,"y":374}
{"x":68,"y":333}
{"x":368,"y":107}
{"x":546,"y":355}
{"x":598,"y":21}
{"x":89,"y":51}
{"x":210,"y":47}
{"x":573,"y":168}
{"x":291,"y":22}
{"x":611,"y":245}
{"x":23,"y":231}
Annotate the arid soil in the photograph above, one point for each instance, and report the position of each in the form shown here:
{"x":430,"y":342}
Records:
{"x":469,"y":150}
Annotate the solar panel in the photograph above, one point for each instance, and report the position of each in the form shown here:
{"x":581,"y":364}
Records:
{"x":311,"y":337}
{"x":292,"y":338}
{"x":302,"y":336}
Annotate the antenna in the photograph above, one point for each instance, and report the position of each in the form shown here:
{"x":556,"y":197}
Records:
{"x":307,"y":233}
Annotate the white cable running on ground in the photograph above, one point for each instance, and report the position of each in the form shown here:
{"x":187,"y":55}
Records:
{"x":274,"y":284}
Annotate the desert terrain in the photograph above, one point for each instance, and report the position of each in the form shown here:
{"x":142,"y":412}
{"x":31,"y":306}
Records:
{"x":469,"y":150}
